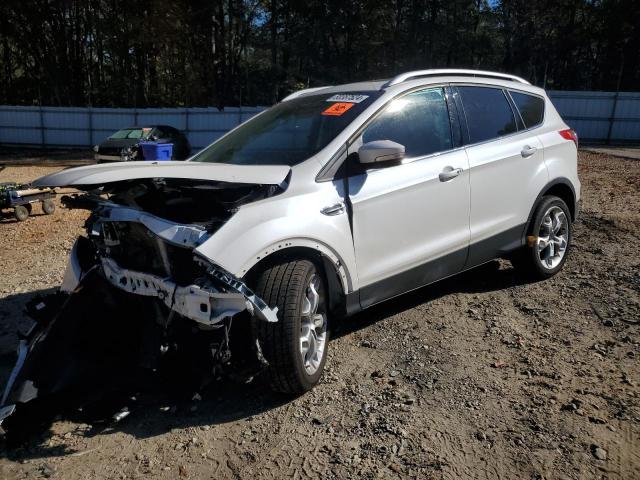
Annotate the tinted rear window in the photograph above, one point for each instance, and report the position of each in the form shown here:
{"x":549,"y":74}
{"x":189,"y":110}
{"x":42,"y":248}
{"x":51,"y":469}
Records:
{"x":531,"y":108}
{"x":488,"y":113}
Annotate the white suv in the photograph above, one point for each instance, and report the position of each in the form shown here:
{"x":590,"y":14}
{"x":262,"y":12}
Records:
{"x":333,"y":200}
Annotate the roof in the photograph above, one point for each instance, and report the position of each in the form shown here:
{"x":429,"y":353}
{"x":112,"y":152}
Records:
{"x":420,"y":76}
{"x":403,"y":77}
{"x":150,"y":125}
{"x":370,"y":86}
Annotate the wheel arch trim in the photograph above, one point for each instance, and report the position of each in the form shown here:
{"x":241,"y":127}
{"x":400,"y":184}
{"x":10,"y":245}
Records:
{"x":313,"y":247}
{"x":563,"y":181}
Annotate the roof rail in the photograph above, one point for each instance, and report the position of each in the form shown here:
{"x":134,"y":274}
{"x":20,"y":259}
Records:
{"x":303,"y":92}
{"x":403,"y":77}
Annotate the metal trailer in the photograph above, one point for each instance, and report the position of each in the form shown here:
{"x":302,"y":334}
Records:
{"x":20,"y":199}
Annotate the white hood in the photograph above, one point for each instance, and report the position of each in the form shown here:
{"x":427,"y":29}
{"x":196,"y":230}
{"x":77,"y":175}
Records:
{"x":116,"y":172}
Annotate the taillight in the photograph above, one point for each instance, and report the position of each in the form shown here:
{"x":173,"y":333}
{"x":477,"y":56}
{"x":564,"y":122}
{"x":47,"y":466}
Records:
{"x":569,"y":134}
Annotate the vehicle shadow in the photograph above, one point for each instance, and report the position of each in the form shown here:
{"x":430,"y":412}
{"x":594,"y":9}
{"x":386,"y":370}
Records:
{"x":491,"y":276}
{"x":7,"y":217}
{"x":162,"y":409}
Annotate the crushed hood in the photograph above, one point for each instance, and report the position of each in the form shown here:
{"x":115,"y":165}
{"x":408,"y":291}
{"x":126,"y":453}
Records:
{"x":101,"y":174}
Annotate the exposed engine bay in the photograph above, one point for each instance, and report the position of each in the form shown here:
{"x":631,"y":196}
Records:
{"x":138,"y":300}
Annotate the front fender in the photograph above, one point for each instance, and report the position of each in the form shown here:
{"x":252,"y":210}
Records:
{"x":259,"y":230}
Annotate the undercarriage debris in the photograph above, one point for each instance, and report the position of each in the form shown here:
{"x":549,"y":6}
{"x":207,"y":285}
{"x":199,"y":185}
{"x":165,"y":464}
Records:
{"x":137,"y":298}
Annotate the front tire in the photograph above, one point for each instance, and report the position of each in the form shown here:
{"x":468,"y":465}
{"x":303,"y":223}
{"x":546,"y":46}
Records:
{"x":296,"y":345}
{"x":548,"y":240}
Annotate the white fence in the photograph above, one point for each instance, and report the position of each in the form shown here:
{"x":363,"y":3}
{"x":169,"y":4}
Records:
{"x":82,"y":127}
{"x":598,"y":117}
{"x":601,"y":117}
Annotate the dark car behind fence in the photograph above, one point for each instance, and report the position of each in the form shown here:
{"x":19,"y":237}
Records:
{"x":85,"y":127}
{"x":598,"y":117}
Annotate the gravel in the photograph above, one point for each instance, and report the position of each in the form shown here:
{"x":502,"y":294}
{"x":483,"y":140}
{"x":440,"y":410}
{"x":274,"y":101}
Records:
{"x":480,"y":376}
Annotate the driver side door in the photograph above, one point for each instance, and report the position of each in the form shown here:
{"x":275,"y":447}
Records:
{"x":411,"y":219}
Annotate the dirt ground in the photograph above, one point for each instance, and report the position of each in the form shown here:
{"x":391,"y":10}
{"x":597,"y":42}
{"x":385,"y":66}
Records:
{"x":480,"y":376}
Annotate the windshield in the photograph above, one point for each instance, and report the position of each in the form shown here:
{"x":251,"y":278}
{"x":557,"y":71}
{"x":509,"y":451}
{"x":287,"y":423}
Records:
{"x":132,"y":133}
{"x":289,"y":132}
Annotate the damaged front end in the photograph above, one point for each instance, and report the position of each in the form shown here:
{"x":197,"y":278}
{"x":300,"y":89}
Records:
{"x":138,"y":299}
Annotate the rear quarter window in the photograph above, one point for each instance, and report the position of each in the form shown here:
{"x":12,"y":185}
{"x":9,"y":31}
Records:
{"x":531,"y":108}
{"x":488,"y":113}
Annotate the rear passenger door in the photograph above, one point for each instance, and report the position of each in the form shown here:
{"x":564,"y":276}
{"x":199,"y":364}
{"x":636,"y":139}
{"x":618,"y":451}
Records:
{"x":507,"y":170}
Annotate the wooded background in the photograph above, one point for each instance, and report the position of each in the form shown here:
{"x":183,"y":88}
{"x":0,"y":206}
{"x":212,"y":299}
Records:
{"x":251,"y":52}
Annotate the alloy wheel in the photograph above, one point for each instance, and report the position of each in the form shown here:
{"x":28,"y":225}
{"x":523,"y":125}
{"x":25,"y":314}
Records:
{"x":553,"y":237}
{"x":313,"y":326}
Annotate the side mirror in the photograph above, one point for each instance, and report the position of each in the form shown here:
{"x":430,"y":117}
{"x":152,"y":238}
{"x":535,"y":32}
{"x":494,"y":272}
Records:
{"x":380,"y":151}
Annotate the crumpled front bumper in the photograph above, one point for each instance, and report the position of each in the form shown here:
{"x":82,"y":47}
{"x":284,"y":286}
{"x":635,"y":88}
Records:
{"x":203,"y":305}
{"x":208,"y":305}
{"x":138,"y":295}
{"x":7,"y":410}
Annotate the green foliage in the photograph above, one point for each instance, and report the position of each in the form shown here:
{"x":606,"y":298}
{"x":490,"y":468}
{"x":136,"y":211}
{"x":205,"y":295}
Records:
{"x":202,"y":52}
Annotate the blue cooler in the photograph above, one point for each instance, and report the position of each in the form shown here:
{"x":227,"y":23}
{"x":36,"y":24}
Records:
{"x":156,"y":151}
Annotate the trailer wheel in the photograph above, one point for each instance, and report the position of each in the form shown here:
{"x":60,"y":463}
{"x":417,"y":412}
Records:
{"x":48,"y":207}
{"x":21,"y":213}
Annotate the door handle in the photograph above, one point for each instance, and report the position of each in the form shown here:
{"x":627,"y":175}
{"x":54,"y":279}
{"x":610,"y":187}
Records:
{"x":527,"y":151}
{"x":335,"y":209}
{"x":449,"y":173}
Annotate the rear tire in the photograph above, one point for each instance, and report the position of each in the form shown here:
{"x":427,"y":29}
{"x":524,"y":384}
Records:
{"x":48,"y":206}
{"x":296,"y":345}
{"x":21,"y":213}
{"x":548,"y":240}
